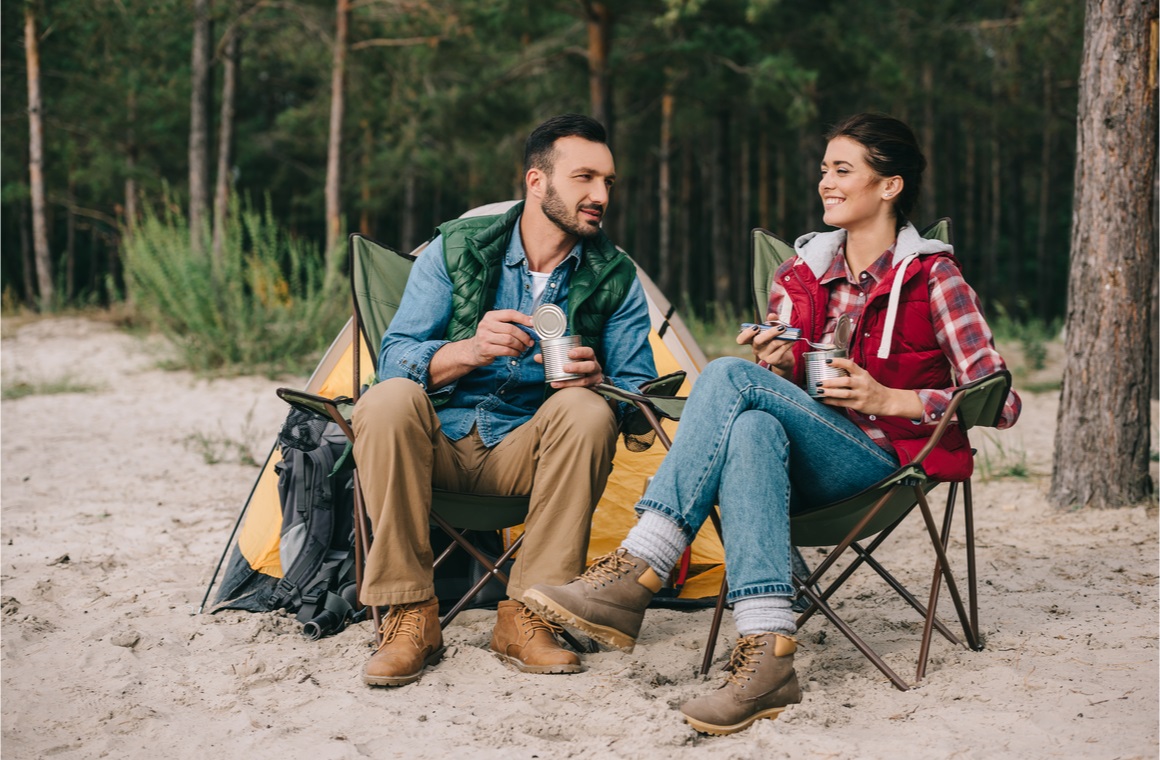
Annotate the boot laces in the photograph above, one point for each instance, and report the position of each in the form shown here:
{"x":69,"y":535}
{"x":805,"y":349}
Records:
{"x":403,"y":619}
{"x":608,"y":568}
{"x":743,"y":660}
{"x":529,"y":622}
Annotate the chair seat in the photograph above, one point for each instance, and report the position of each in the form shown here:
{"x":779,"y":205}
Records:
{"x":471,"y":511}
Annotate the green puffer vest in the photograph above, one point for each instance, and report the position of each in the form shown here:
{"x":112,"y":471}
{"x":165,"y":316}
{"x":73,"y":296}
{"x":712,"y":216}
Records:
{"x":474,"y":249}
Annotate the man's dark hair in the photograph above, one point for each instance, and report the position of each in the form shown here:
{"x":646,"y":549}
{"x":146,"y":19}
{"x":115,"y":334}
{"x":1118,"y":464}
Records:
{"x":539,"y":151}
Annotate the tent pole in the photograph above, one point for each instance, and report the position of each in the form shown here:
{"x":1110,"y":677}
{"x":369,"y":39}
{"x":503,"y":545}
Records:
{"x":234,"y":532}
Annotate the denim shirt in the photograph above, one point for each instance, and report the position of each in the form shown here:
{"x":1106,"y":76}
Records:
{"x":503,"y":395}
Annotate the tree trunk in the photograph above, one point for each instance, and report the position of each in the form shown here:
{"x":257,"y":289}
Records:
{"x":410,"y":187}
{"x":221,"y":199}
{"x":130,"y":220}
{"x":763,"y":179}
{"x":334,"y":144}
{"x":1042,"y":260}
{"x":970,"y":172}
{"x":684,"y":224}
{"x":719,"y":209}
{"x":199,"y":106}
{"x":28,"y":266}
{"x":742,"y":266}
{"x":1107,"y":374}
{"x":70,"y":246}
{"x":781,"y":225}
{"x":928,"y":202}
{"x":364,"y":214}
{"x":36,"y":165}
{"x":664,"y":178}
{"x":599,"y":40}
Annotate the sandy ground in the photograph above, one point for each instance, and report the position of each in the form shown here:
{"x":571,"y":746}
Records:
{"x":112,"y":522}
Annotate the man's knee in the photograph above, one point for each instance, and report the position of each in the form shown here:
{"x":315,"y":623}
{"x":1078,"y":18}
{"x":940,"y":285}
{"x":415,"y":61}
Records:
{"x":582,"y":413}
{"x":394,"y":399}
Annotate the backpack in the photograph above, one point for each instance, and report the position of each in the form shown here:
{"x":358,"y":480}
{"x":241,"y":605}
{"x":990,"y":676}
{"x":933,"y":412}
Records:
{"x":316,"y":490}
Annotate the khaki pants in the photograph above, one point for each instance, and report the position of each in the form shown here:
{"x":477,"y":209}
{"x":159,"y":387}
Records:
{"x":561,"y":458}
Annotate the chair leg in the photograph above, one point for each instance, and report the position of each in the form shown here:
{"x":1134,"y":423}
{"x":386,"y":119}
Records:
{"x":972,"y":576}
{"x":361,"y":549}
{"x":943,"y":567}
{"x":493,"y":572}
{"x":719,"y":611}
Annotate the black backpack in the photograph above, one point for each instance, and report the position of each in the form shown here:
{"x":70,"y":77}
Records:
{"x":316,"y":490}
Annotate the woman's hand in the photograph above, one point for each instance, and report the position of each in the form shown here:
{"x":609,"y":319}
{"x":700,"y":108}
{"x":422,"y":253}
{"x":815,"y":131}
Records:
{"x":864,"y":394}
{"x":778,"y":354}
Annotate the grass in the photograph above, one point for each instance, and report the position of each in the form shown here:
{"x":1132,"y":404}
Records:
{"x":223,"y":448}
{"x":998,"y":461}
{"x":1032,"y":334}
{"x":23,"y":388}
{"x":266,"y":304}
{"x":716,"y":333}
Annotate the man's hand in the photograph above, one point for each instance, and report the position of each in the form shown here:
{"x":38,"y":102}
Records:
{"x":778,"y":354}
{"x":498,"y":335}
{"x":582,"y":361}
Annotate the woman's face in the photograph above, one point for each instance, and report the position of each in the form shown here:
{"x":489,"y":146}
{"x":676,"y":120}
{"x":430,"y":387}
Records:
{"x":852,"y":193}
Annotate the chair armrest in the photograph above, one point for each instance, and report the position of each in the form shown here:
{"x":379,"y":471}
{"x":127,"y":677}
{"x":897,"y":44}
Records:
{"x":338,"y":409}
{"x":649,"y":409}
{"x":979,"y":402}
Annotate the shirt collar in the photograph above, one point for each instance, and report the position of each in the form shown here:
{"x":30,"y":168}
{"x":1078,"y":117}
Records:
{"x":839,"y":270}
{"x":516,"y":254}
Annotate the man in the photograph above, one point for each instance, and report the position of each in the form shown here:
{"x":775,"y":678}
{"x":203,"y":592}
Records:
{"x":462,"y":403}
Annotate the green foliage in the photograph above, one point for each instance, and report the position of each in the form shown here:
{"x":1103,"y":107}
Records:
{"x":998,"y":461}
{"x":1032,"y":333}
{"x":220,"y":447}
{"x":716,"y":334}
{"x":23,"y":388}
{"x":265,"y":303}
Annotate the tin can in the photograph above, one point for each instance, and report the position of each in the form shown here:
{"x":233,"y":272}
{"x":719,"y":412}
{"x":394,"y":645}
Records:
{"x":550,"y":323}
{"x":817,"y":370}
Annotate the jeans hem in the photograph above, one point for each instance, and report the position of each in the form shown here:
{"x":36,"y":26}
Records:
{"x":768,"y":589}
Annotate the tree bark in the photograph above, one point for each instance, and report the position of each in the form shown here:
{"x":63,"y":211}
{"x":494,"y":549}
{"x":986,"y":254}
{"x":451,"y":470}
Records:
{"x":763,"y":178}
{"x":199,"y":106}
{"x":684,"y":224}
{"x":334,"y":144}
{"x":928,"y":203}
{"x":1107,"y":375}
{"x":599,"y":41}
{"x":231,"y":56}
{"x":664,"y":179}
{"x":70,"y":246}
{"x":719,"y":210}
{"x":1042,"y":260}
{"x":131,"y":148}
{"x":36,"y":165}
{"x":364,"y":215}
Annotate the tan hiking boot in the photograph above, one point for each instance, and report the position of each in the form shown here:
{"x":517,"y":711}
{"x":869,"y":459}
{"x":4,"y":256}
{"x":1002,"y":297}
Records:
{"x":411,"y":640}
{"x":761,"y":682}
{"x":527,"y":641}
{"x":607,"y":602}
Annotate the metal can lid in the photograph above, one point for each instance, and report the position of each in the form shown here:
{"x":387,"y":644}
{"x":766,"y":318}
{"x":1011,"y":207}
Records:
{"x":549,"y":321}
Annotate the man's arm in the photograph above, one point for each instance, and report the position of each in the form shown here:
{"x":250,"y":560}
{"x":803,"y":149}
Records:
{"x":628,"y":357}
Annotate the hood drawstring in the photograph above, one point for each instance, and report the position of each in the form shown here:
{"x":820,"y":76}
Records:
{"x":892,"y":307}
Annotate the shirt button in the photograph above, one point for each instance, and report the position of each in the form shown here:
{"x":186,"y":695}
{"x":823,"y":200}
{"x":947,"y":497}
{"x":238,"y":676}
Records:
{"x":551,"y":285}
{"x":873,"y":417}
{"x":863,"y":275}
{"x":787,"y":278}
{"x":513,"y":362}
{"x":865,"y":335}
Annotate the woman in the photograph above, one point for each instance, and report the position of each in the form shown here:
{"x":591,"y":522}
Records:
{"x":752,"y":440}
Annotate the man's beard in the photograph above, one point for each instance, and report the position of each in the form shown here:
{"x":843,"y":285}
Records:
{"x":566,"y":220}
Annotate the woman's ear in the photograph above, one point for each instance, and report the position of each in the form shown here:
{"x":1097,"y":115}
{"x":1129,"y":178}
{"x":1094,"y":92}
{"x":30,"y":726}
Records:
{"x":891,"y":186}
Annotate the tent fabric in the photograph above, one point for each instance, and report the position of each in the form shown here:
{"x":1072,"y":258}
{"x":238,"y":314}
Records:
{"x":254,"y":564}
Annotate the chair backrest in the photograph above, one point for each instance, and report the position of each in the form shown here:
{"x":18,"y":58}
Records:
{"x":769,"y":252}
{"x":378,"y":276}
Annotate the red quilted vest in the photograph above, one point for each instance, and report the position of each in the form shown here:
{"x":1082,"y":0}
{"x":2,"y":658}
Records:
{"x":915,"y":359}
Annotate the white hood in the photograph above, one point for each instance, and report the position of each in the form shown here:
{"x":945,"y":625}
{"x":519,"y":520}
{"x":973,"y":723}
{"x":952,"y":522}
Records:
{"x":817,"y":250}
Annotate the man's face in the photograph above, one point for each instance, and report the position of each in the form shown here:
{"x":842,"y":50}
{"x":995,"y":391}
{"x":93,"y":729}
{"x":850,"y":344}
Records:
{"x":577,"y":190}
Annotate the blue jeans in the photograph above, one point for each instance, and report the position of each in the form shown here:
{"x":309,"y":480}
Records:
{"x":761,"y":448}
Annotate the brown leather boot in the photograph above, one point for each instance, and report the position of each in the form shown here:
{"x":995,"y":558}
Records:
{"x":411,"y":640}
{"x":527,"y":641}
{"x":607,"y":602}
{"x":761,"y":682}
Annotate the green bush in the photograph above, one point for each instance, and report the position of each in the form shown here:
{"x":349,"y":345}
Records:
{"x":265,"y":303}
{"x":1032,"y":333}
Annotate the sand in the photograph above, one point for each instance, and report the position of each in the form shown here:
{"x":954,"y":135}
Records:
{"x":113,"y":519}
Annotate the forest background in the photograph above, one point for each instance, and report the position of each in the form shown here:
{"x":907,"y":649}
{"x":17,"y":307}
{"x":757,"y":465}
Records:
{"x":715,"y":110}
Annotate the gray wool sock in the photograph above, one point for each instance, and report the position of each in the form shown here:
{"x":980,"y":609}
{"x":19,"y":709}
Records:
{"x":657,"y":540}
{"x":764,"y":614}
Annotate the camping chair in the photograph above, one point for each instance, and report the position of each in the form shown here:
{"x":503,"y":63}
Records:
{"x":879,"y":509}
{"x":378,"y":278}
